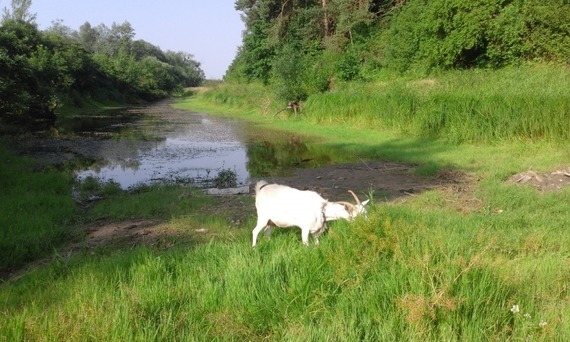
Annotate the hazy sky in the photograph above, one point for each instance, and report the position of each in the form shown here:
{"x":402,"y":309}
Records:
{"x":208,"y":29}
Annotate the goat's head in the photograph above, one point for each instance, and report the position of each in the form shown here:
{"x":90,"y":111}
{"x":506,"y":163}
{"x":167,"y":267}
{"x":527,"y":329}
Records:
{"x":354,"y":210}
{"x":360,"y":206}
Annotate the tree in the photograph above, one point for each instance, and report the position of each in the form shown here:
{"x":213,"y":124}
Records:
{"x":26,"y":79}
{"x":87,"y":36}
{"x":59,"y":28}
{"x":350,"y":19}
{"x":41,"y":69}
{"x":441,"y":34}
{"x":188,"y":70}
{"x":20,"y":12}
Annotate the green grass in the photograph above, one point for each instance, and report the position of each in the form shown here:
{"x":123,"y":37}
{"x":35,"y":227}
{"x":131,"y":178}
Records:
{"x":443,"y":265}
{"x":528,"y":103}
{"x":162,"y":202}
{"x":401,"y":275}
{"x":36,"y":210}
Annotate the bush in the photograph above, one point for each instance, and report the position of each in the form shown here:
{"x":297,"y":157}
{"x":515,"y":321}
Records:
{"x":288,"y":70}
{"x":461,"y":34}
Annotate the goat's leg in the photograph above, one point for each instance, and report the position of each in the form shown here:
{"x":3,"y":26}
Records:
{"x":305,"y":236}
{"x":318,"y":233}
{"x":316,"y":237}
{"x":268,"y":229}
{"x":261,"y":223}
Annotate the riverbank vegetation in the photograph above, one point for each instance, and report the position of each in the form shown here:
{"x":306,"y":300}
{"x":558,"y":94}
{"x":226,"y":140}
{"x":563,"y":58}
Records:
{"x":478,"y":93}
{"x":305,"y":47}
{"x":526,"y":103}
{"x":36,"y":211}
{"x":45,"y":70}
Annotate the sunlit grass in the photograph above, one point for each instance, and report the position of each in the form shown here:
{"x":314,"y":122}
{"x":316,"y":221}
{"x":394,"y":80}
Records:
{"x":491,"y":106}
{"x":403,"y":274}
{"x":526,"y":103}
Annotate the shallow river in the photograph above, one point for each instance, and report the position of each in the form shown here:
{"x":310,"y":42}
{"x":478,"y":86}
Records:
{"x":158,"y":144}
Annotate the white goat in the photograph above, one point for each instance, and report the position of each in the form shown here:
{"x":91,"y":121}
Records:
{"x":283,"y":206}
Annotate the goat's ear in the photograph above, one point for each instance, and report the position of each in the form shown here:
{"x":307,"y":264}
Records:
{"x":365,"y":202}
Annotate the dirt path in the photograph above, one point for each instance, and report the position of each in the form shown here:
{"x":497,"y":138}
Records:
{"x":386,"y":180}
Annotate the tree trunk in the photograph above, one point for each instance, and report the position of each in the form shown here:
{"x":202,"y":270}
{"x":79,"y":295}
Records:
{"x":325,"y":18}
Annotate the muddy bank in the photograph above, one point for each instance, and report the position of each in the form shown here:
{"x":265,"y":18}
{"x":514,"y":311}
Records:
{"x":387,"y":180}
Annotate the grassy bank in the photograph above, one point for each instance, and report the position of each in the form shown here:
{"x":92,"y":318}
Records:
{"x":486,"y":260}
{"x":37,"y":208}
{"x":41,"y":211}
{"x":406,"y":274}
{"x":527,"y":103}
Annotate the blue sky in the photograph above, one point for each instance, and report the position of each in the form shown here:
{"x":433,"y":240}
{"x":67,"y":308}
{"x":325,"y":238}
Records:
{"x":208,"y":29}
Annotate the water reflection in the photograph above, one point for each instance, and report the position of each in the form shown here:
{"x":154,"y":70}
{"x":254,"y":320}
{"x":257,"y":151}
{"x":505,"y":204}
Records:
{"x":161,"y":144}
{"x":277,"y":158}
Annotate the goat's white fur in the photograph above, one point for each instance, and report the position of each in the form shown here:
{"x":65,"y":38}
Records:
{"x":283,"y":206}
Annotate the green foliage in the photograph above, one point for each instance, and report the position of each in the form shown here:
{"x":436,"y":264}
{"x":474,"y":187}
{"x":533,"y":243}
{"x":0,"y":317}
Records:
{"x":254,"y":58}
{"x":461,"y":34}
{"x":20,"y":11}
{"x":40,"y":70}
{"x":474,"y":106}
{"x":348,"y":67}
{"x":289,"y":46}
{"x":288,"y":70}
{"x":523,"y":103}
{"x":24,"y":63}
{"x":226,"y":178}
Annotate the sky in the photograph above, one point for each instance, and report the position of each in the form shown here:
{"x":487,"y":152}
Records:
{"x":210,"y":30}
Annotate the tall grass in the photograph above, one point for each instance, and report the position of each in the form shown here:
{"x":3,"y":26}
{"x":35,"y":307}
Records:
{"x":529,"y":103}
{"x":36,"y":209}
{"x":525,"y":103}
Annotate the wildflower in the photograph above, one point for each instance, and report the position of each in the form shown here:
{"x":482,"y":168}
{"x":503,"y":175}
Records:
{"x":542,"y":324}
{"x":515,"y":309}
{"x":527,"y":316}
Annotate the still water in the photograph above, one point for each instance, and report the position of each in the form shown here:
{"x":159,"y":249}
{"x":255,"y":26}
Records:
{"x":160,"y":144}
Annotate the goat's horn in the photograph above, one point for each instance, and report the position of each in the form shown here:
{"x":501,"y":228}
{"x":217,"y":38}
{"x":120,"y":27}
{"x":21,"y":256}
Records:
{"x":348,"y":204}
{"x":355,"y":197}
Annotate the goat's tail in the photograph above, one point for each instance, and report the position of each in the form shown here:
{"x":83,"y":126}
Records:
{"x":260,"y":185}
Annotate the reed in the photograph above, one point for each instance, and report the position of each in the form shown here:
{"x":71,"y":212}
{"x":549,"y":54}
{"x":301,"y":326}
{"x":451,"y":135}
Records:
{"x":471,"y":106}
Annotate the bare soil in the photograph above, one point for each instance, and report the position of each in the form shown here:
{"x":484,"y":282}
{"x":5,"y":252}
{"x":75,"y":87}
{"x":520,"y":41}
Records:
{"x":387,"y":181}
{"x":546,"y":181}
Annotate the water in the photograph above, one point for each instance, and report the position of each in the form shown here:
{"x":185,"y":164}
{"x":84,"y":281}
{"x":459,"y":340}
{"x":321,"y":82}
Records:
{"x":159,"y":144}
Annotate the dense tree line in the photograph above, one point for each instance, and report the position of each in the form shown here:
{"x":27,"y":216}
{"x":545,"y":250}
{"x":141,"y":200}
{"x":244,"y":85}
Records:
{"x":302,"y":46}
{"x":41,"y":69}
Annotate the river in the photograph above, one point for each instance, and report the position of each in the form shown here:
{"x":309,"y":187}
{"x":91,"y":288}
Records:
{"x":160,"y":144}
